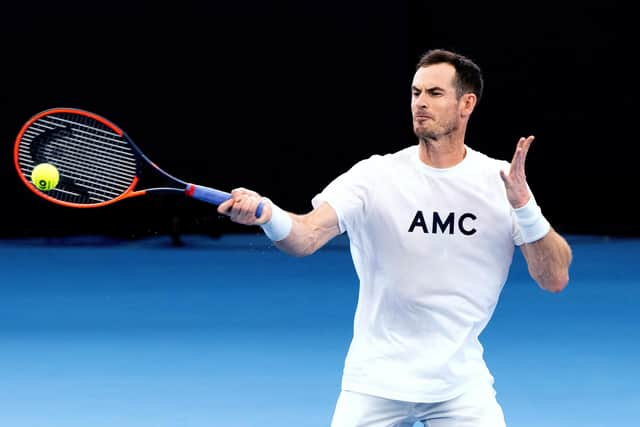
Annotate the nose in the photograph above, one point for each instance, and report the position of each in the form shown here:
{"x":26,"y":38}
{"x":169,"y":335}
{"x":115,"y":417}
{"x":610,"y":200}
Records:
{"x":420,"y":101}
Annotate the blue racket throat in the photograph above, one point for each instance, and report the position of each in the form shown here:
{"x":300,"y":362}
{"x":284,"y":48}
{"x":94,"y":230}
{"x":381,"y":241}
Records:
{"x":213,"y":196}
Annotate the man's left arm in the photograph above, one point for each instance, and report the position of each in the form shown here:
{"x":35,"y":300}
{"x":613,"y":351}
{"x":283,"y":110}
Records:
{"x":548,"y":260}
{"x":547,"y":253}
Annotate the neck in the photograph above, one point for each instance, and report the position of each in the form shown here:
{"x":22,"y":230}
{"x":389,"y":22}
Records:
{"x":445,"y":152}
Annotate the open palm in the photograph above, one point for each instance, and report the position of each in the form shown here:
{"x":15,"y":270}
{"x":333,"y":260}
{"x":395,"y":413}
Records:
{"x":516,"y":181}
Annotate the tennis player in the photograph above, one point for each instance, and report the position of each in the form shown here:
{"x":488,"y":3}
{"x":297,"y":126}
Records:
{"x":432,"y":230}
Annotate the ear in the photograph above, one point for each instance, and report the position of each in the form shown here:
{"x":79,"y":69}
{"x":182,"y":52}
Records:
{"x":467,"y":104}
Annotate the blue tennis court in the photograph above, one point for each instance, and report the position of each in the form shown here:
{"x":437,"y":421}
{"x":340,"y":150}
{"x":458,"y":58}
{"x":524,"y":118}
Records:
{"x":231,"y":332}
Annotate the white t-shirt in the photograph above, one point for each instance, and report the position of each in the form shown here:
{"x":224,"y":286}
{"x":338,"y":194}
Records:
{"x":432,"y":249}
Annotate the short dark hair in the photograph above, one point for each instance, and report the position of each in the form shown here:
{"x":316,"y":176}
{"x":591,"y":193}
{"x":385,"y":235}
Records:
{"x":468,"y":74}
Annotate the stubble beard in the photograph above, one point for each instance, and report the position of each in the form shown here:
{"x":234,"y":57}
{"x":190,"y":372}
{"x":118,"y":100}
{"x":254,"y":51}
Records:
{"x":436,"y":132}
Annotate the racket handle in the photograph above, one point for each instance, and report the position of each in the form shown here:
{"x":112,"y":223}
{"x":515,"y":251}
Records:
{"x":213,"y":196}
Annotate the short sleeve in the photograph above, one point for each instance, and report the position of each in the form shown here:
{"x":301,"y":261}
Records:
{"x":350,"y":194}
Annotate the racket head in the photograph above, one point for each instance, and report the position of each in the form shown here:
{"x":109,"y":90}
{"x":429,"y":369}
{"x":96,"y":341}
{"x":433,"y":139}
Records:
{"x":98,"y":164}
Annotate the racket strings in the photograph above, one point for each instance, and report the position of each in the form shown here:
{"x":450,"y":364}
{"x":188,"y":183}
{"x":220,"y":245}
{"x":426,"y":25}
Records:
{"x":75,"y":174}
{"x":95,"y":163}
{"x":84,"y":157}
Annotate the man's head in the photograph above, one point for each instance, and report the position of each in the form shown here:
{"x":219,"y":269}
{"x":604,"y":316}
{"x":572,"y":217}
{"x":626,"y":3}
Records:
{"x":446,"y":88}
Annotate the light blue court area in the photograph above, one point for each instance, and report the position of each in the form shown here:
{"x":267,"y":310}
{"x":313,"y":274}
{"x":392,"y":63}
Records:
{"x":231,"y":332}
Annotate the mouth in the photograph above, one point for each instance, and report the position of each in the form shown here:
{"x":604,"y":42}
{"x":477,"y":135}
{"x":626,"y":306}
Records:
{"x":422,"y":117}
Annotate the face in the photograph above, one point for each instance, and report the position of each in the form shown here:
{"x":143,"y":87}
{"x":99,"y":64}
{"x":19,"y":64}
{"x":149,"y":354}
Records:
{"x":435,"y":106}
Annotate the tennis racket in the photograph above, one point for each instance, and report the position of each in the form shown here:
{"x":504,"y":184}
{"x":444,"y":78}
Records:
{"x":97,"y":162}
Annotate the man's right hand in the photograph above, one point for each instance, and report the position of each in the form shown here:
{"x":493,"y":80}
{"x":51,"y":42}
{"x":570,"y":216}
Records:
{"x":242,"y":205}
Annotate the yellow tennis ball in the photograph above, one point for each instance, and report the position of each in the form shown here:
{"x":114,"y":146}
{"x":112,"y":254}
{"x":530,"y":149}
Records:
{"x":45,"y":176}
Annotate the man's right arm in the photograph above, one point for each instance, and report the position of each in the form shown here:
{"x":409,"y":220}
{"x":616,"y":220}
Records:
{"x":308,"y":232}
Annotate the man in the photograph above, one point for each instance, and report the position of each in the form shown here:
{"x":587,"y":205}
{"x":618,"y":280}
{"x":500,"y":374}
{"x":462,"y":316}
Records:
{"x":432,"y":230}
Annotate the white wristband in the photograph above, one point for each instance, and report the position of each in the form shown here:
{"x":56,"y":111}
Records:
{"x":279,"y":226}
{"x":533,"y":225}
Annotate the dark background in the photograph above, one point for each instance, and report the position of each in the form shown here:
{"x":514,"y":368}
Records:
{"x":281,"y":98}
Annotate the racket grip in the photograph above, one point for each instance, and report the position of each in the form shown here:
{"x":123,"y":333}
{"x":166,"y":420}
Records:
{"x":213,"y":196}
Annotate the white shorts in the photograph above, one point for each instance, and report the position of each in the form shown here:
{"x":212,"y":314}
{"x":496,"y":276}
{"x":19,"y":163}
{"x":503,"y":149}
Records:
{"x":477,"y":407}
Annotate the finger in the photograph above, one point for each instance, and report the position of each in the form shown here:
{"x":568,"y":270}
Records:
{"x":243,"y":191}
{"x":225,"y":207}
{"x":513,"y":159}
{"x":248,"y":209}
{"x":530,"y":140}
{"x":517,"y":164}
{"x":522,"y":155}
{"x":504,"y":177}
{"x":526,"y":145}
{"x":237,"y":193}
{"x":252,"y":206}
{"x":244,"y":209}
{"x":266,"y":211}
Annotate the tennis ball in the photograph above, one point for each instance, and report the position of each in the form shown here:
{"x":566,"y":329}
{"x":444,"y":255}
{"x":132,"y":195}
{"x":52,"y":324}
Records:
{"x":45,"y":176}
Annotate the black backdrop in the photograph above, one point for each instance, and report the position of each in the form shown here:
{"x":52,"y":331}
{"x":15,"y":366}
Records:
{"x":281,"y":98}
